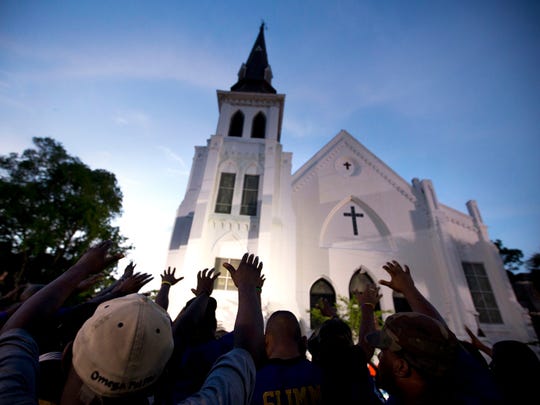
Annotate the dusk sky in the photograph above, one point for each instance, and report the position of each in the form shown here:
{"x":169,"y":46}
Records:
{"x":441,"y":90}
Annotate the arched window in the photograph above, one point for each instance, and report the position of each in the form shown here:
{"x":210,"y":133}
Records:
{"x":359,"y":281}
{"x":258,"y":129}
{"x":321,"y":289}
{"x":237,"y":124}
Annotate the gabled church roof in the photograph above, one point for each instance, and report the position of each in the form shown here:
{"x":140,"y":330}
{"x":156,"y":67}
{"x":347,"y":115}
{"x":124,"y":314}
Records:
{"x":345,"y":140}
{"x":255,"y":76}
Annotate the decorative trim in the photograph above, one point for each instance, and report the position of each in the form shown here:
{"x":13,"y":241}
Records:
{"x":230,"y":225}
{"x":251,"y":99}
{"x":330,"y":158}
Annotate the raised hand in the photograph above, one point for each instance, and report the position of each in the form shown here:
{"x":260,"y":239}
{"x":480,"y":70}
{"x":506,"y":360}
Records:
{"x":167,"y":280}
{"x":97,"y":258}
{"x":401,"y":280}
{"x":168,"y":277}
{"x":133,"y":283}
{"x":128,"y":271}
{"x":205,"y":281}
{"x":248,"y":272}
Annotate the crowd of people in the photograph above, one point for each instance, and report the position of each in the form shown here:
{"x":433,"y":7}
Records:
{"x":122,"y":347}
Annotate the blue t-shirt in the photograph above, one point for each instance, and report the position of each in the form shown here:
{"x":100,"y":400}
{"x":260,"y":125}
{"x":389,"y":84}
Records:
{"x":293,"y":381}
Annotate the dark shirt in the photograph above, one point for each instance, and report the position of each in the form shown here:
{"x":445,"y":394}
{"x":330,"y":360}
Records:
{"x":288,"y":382}
{"x":187,"y":376}
{"x":18,"y":368}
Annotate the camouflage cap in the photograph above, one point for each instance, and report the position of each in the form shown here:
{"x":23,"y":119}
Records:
{"x":424,"y":342}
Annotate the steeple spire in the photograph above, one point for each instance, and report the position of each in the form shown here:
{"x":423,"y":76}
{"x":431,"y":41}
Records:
{"x":256,"y":75}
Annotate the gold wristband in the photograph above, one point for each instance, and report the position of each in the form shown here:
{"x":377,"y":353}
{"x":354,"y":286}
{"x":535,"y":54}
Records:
{"x":370,"y":304}
{"x":166,"y":282}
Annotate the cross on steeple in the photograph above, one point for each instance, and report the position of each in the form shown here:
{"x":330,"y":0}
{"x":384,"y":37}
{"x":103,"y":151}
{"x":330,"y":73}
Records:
{"x":353,"y":216}
{"x":347,"y":165}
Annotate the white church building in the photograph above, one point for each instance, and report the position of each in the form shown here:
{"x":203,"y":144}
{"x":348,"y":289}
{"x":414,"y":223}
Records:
{"x":328,"y":228}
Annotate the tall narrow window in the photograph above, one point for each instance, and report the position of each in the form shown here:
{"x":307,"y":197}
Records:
{"x":224,"y":281}
{"x":225,"y":193}
{"x":482,"y":293}
{"x":359,"y":282}
{"x":250,"y":194}
{"x":258,"y":129}
{"x":237,"y":124}
{"x":321,"y":289}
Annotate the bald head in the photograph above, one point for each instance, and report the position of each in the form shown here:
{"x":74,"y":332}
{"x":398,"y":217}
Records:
{"x":283,"y":336}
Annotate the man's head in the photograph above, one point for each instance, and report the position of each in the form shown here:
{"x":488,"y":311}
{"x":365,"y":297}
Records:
{"x":331,"y":341}
{"x":426,"y":344}
{"x":283,"y":336}
{"x":124,"y":347}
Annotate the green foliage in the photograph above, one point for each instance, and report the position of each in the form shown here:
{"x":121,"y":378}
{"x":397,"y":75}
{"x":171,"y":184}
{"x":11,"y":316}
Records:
{"x":512,"y":258}
{"x":152,"y":294}
{"x":53,"y":208}
{"x":533,"y":262}
{"x":533,"y":265}
{"x":349,"y":311}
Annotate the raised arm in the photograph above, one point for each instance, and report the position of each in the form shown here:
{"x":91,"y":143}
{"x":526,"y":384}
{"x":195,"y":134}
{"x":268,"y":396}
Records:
{"x":167,"y":281}
{"x":367,"y":301}
{"x":402,"y":281}
{"x":249,"y":325}
{"x":478,"y":343}
{"x":45,"y":302}
{"x":124,"y":286}
{"x":189,"y":316}
{"x":128,"y":272}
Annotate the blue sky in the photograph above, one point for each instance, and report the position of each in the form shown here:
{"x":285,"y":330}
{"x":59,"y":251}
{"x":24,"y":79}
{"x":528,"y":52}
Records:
{"x":441,"y":90}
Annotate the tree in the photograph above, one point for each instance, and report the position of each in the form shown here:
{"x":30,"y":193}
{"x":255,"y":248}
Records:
{"x":53,"y":208}
{"x":533,"y":265}
{"x":512,"y":258}
{"x":533,"y":262}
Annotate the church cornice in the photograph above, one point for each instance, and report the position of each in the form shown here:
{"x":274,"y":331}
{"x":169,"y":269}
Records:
{"x":250,"y":99}
{"x":458,"y":218}
{"x":242,"y":156}
{"x":240,"y":224}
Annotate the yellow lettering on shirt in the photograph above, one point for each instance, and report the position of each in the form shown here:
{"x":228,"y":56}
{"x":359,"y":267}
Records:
{"x":307,"y":395}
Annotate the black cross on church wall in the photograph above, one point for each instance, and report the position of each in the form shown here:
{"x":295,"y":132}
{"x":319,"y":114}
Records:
{"x":353,"y":214}
{"x":347,"y":165}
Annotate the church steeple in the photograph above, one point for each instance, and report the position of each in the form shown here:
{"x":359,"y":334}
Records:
{"x":256,"y":75}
